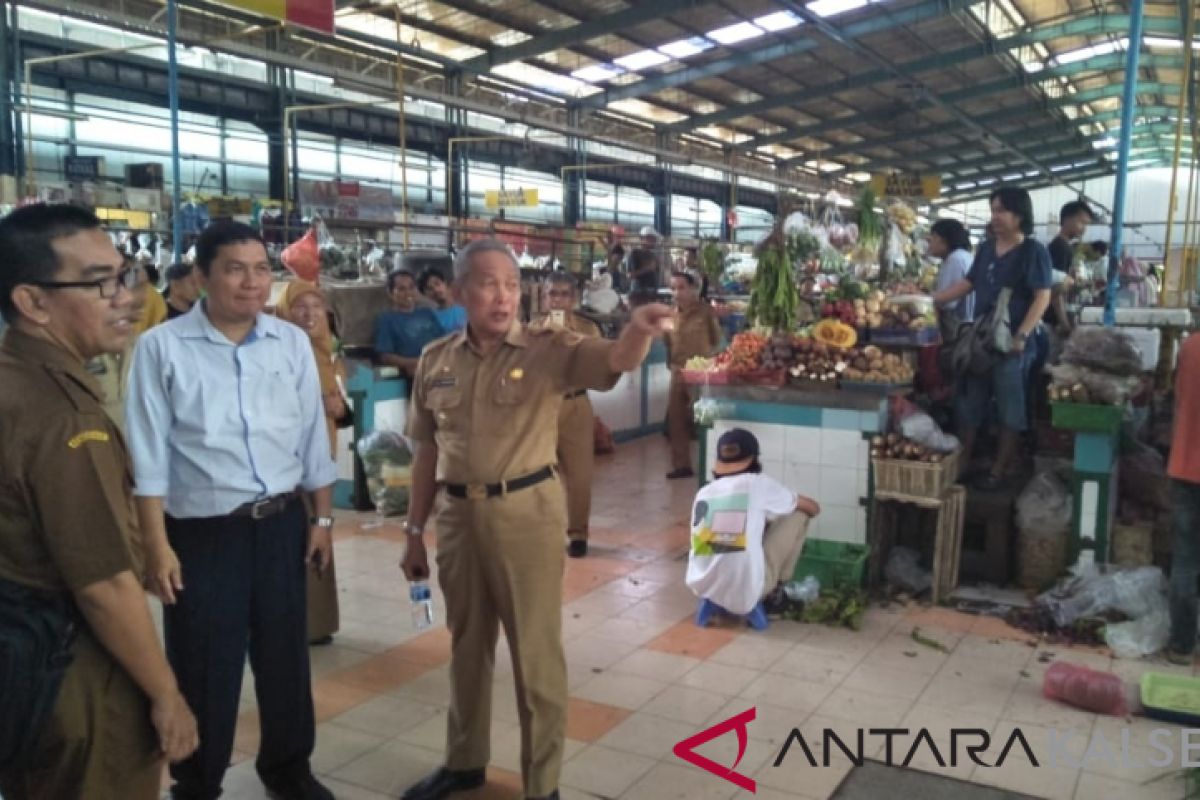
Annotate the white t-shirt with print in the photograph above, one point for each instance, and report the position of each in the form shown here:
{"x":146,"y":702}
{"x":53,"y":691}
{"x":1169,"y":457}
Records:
{"x":729,"y":516}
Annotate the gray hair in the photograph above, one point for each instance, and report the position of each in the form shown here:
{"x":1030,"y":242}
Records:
{"x":462,"y":261}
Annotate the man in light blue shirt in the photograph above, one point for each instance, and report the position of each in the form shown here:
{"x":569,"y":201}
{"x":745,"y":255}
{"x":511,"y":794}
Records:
{"x":227,"y":432}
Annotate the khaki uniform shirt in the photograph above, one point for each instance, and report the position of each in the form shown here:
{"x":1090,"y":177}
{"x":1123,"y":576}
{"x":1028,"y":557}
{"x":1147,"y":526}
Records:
{"x":67,"y":518}
{"x":575,"y":323}
{"x":111,"y":371}
{"x":494,"y":417}
{"x":697,"y":333}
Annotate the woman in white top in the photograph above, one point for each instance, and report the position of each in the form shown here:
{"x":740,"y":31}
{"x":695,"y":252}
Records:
{"x":949,"y":241}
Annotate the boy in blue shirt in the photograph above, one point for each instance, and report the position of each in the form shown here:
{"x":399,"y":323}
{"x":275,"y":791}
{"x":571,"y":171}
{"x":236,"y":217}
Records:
{"x":401,"y":334}
{"x":433,"y":285}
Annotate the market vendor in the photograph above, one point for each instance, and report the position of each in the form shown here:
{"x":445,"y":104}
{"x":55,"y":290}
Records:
{"x":1015,"y":261}
{"x":747,"y":531}
{"x":697,"y":333}
{"x":432,"y":284}
{"x":949,"y":241}
{"x":402,"y":333}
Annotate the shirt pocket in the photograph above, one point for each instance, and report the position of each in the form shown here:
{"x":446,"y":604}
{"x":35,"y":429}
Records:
{"x":510,"y":392}
{"x":445,"y":404}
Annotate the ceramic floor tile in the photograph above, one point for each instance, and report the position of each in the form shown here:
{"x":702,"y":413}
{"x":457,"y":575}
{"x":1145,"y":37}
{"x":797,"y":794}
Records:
{"x":784,"y":691}
{"x":656,"y":664}
{"x":1005,"y":651}
{"x":588,"y":721}
{"x":622,"y":691}
{"x":337,"y":746}
{"x":719,"y":678}
{"x":1099,"y":787}
{"x":751,"y":651}
{"x":633,"y":631}
{"x":899,"y":651}
{"x":648,"y":735}
{"x":898,"y":682}
{"x":816,"y":666}
{"x":390,"y":769}
{"x":686,"y":639}
{"x":597,"y":651}
{"x":672,"y":782}
{"x":870,"y":710}
{"x":686,"y":704}
{"x":387,"y":716}
{"x":981,"y":699}
{"x":605,"y":772}
{"x":1018,"y":775}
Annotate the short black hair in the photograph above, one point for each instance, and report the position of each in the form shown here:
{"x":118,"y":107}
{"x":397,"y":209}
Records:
{"x":562,"y":278}
{"x":27,"y":238}
{"x":428,"y":274}
{"x":152,"y":273}
{"x":396,"y":275}
{"x":618,"y":250}
{"x":178,"y":271}
{"x":692,"y":280}
{"x":953,"y":233}
{"x":1099,"y":247}
{"x":219,"y":234}
{"x":753,"y":468}
{"x":1072,"y":208}
{"x":1016,"y":200}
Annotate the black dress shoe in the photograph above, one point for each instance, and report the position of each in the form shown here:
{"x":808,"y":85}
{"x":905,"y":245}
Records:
{"x":577,"y":548}
{"x":443,"y":782}
{"x":306,"y":788}
{"x":676,"y":474}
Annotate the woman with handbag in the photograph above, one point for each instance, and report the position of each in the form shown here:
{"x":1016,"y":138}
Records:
{"x":1010,"y":277}
{"x":303,"y":305}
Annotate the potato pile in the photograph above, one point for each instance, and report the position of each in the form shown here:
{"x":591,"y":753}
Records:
{"x":893,"y":446}
{"x":872,"y":365}
{"x":903,"y":316}
{"x":817,"y":361}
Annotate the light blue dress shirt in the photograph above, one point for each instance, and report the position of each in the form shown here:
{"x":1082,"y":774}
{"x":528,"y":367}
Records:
{"x":213,"y":425}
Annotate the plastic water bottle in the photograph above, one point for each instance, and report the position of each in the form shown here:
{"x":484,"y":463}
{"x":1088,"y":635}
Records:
{"x":805,"y":591}
{"x":422,"y":605}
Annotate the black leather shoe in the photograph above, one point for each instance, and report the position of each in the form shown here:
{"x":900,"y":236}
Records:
{"x":443,"y":782}
{"x":306,"y":788}
{"x":684,"y":472}
{"x":577,"y":548}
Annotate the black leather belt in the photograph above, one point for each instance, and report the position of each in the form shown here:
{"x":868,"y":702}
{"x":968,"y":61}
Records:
{"x":267,"y":507}
{"x":482,"y":491}
{"x":574,"y":394}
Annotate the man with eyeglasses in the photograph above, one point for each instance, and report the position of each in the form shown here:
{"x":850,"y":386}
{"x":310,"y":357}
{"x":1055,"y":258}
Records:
{"x":67,"y":525}
{"x":576,"y":424}
{"x":233,"y":479}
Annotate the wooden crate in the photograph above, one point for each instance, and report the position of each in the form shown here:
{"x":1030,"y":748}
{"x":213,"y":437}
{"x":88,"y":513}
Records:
{"x":914,"y":481}
{"x":947,"y":538}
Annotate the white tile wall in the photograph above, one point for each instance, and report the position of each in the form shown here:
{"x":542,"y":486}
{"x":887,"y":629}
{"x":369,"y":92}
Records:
{"x":843,"y":524}
{"x":803,"y":444}
{"x":803,"y":478}
{"x":660,"y":384}
{"x":839,"y":486}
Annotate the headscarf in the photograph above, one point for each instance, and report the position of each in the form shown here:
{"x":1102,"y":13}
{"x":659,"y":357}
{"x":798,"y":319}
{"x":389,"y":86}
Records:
{"x":328,"y":366}
{"x":154,"y":309}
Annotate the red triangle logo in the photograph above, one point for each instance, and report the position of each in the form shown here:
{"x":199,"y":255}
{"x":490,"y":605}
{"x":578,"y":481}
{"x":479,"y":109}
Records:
{"x":687,"y":749}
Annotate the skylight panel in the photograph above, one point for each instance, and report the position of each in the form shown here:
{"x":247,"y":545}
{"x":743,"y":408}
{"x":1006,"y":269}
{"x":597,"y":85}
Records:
{"x":643,"y":59}
{"x":732,"y":34}
{"x":831,"y":8}
{"x":686,"y":47}
{"x":597,"y":73}
{"x":779,"y":21}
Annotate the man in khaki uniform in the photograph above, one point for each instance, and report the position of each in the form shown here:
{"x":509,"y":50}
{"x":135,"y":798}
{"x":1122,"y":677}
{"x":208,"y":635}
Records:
{"x":697,"y":333}
{"x":576,"y":425}
{"x":67,"y":524}
{"x":483,"y":418}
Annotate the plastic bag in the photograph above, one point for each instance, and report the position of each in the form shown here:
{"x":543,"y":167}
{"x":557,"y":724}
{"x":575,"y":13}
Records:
{"x":1132,"y":592}
{"x":1143,"y":636}
{"x":921,"y":428}
{"x":387,"y":462}
{"x":1104,"y":350}
{"x":303,"y":258}
{"x":804,"y":591}
{"x":1044,"y":505}
{"x":904,"y":570}
{"x":1097,"y":387}
{"x":1075,"y":685}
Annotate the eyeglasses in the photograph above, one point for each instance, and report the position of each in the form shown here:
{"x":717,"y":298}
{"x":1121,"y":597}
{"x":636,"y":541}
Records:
{"x":108,"y":287}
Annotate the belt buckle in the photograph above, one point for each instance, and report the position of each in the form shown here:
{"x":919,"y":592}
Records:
{"x":259,"y":510}
{"x":477,"y":491}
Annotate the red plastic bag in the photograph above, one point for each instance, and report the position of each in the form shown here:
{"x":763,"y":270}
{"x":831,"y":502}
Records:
{"x":1101,"y":692}
{"x":602,"y":439}
{"x":303,"y":257}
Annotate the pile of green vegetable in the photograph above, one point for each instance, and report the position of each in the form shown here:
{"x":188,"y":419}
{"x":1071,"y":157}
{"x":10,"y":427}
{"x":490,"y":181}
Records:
{"x":712,"y":260}
{"x":773,"y":295}
{"x":838,"y":607}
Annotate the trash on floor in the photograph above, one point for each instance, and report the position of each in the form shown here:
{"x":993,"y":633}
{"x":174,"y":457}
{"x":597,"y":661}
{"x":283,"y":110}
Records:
{"x":1091,"y":690}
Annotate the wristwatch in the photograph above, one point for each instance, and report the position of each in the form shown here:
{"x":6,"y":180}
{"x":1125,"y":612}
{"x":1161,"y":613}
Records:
{"x":321,"y":522}
{"x":1022,"y":336}
{"x":413,"y":530}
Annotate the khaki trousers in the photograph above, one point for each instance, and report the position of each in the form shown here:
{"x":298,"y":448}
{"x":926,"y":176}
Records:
{"x":500,"y":562}
{"x":681,"y":422}
{"x":783,"y":540}
{"x":98,"y":741}
{"x":322,"y":601}
{"x":576,"y":457}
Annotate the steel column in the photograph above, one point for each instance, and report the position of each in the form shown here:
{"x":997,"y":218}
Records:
{"x":1125,"y":144}
{"x":173,"y":101}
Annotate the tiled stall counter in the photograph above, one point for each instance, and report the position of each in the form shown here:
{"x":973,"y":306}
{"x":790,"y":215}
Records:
{"x":815,"y":443}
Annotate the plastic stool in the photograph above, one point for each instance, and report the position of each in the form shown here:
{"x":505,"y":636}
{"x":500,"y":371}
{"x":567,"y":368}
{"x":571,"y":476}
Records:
{"x":757,"y":618}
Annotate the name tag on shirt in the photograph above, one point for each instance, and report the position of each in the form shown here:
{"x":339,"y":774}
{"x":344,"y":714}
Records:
{"x":444,"y":382}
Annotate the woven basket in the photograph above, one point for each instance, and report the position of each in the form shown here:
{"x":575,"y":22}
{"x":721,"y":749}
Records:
{"x":898,"y":479}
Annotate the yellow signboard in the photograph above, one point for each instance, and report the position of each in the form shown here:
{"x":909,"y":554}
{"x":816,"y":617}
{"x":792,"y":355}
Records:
{"x":510,"y":198}
{"x":907,"y":184}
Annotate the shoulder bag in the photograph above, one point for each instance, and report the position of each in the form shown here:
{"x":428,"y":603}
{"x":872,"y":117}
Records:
{"x":985,"y":342}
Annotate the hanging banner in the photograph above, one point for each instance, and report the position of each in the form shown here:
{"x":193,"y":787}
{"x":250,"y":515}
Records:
{"x":510,"y":198}
{"x":346,"y":200}
{"x":314,"y":14}
{"x":907,"y":185}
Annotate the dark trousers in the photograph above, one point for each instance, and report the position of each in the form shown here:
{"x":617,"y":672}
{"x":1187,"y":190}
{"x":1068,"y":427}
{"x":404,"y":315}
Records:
{"x":1185,"y":564}
{"x":244,"y":588}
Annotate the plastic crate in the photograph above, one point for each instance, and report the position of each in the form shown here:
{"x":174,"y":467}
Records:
{"x":1086,"y":417}
{"x":1171,"y":698}
{"x":897,"y":479}
{"x":899,"y":337}
{"x":834,"y":564}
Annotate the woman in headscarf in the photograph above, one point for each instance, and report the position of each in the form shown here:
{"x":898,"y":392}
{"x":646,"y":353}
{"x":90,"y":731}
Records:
{"x":303,"y":305}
